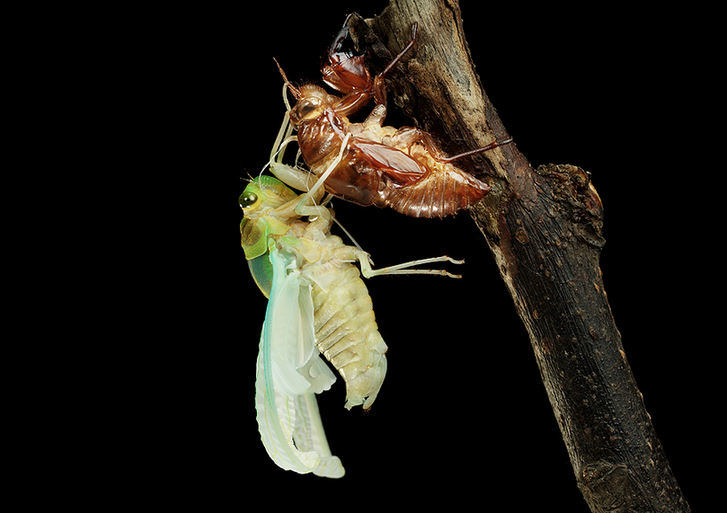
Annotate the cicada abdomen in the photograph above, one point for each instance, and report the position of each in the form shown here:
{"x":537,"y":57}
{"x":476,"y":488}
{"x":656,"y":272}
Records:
{"x":442,"y":193}
{"x":346,"y":331}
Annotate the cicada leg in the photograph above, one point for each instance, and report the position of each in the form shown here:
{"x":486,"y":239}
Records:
{"x":285,"y":128}
{"x":376,"y":117}
{"x":309,"y":197}
{"x":292,"y":176}
{"x":491,"y":146}
{"x":404,"y":268}
{"x":407,"y":137}
{"x":379,"y":86}
{"x":309,"y":203}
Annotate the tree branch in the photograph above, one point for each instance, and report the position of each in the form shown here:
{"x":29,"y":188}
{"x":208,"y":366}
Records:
{"x":544,"y":228}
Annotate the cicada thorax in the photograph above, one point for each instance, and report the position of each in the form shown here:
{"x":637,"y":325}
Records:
{"x":355,"y":178}
{"x":346,"y":331}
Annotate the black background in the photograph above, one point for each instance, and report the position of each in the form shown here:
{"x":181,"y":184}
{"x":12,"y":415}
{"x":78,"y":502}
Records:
{"x":462,"y":416}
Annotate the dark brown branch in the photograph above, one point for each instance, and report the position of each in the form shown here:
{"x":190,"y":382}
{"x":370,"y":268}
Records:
{"x":544,"y":228}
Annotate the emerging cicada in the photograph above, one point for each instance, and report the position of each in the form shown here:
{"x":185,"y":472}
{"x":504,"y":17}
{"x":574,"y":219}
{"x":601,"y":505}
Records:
{"x":381,"y":165}
{"x":318,"y":304}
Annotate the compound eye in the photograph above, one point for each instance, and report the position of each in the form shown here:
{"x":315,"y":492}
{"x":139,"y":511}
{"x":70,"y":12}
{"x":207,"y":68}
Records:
{"x":247,"y":199}
{"x":307,"y":107}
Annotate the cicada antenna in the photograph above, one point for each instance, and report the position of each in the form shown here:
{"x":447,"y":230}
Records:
{"x":294,"y":90}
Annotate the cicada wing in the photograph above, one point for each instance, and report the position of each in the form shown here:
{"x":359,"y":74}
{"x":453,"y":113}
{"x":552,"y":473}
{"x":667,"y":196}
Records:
{"x":289,"y":372}
{"x":310,"y":436}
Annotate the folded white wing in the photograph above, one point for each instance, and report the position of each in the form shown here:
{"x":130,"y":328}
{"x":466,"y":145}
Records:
{"x":289,"y":372}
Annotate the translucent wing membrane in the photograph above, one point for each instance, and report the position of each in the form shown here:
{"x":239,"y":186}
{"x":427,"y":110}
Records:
{"x":289,"y":372}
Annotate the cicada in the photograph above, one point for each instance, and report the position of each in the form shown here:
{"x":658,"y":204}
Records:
{"x":317,"y":305}
{"x":383,"y":166}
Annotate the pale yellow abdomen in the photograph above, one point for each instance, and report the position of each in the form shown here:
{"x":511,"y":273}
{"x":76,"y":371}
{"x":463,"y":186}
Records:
{"x":347,"y":334}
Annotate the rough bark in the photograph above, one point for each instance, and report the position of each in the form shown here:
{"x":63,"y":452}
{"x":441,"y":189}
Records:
{"x":543,"y":226}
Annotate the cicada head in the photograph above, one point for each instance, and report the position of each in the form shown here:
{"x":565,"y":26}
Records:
{"x":313,"y":101}
{"x":261,"y":196}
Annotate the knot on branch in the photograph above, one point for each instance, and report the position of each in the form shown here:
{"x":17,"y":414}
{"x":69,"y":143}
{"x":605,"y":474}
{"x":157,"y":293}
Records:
{"x":610,"y":488}
{"x":572,"y":187}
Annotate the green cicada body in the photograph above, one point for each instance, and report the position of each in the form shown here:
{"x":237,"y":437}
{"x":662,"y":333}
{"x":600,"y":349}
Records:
{"x":317,"y":305}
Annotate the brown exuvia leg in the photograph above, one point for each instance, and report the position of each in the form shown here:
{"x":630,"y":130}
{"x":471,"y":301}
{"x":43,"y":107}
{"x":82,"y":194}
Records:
{"x":379,"y":85}
{"x":406,"y":137}
{"x":487,"y":147}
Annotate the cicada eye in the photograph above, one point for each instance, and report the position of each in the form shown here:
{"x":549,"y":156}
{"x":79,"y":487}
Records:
{"x":309,"y":107}
{"x":306,"y":109}
{"x":247,"y":199}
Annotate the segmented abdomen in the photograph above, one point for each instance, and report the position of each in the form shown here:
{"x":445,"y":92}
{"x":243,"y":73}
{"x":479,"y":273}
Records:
{"x":444,"y":191}
{"x":347,"y":334}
